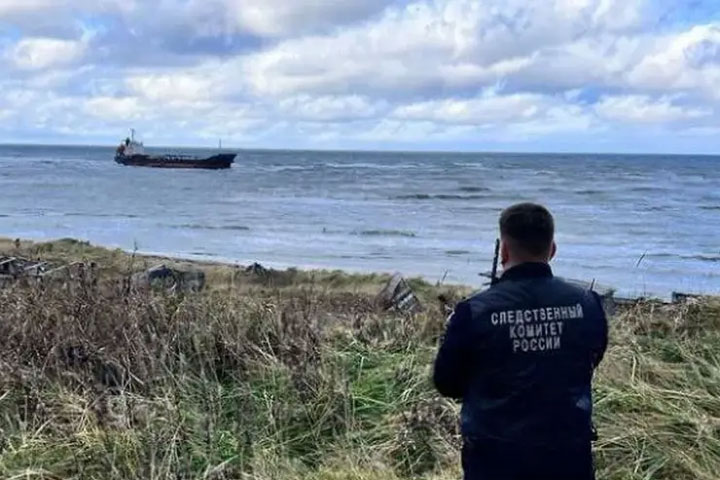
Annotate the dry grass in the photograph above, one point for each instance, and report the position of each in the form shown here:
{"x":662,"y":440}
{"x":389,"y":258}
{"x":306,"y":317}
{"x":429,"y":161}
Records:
{"x":299,"y":376}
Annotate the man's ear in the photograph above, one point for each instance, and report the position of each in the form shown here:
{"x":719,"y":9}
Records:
{"x":553,"y":250}
{"x":504,"y":253}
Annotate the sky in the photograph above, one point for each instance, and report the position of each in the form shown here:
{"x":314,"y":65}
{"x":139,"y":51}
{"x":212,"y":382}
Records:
{"x":485,"y":75}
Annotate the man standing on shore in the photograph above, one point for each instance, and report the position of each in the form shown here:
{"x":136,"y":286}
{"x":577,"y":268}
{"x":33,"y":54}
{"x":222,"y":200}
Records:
{"x":521,"y":357}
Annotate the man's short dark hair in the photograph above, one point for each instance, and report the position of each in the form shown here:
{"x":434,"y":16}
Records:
{"x":529,"y":227}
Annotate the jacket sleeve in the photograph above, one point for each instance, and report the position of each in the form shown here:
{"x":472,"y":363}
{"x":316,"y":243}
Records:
{"x":599,"y":352}
{"x":451,"y":365}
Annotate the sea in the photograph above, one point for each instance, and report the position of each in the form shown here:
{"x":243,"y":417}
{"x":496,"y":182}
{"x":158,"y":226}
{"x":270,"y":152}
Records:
{"x":644,"y":225}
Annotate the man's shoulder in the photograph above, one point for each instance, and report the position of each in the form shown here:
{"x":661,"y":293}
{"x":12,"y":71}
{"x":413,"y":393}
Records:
{"x":483,"y":301}
{"x":584,"y":293}
{"x":569,"y":287}
{"x":508,"y":294}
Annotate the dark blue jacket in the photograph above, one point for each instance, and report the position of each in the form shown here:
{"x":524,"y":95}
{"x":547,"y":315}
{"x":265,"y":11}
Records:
{"x":521,"y":356}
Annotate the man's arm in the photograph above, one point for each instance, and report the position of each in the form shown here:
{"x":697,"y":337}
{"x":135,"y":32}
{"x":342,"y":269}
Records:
{"x":599,"y":353}
{"x":451,"y":364}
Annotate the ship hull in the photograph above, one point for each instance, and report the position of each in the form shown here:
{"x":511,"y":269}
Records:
{"x":215,"y":162}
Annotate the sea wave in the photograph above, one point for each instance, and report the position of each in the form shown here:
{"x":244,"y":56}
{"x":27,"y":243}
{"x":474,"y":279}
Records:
{"x":474,"y":189}
{"x":372,"y":166}
{"x":100,"y":215}
{"x":377,"y":256}
{"x":196,"y":226}
{"x":385,"y":233}
{"x":454,"y":253}
{"x":662,"y":255}
{"x":703,"y":258}
{"x":468,"y":164}
{"x":441,"y":196}
{"x":286,"y":168}
{"x":647,"y":189}
{"x":203,"y":254}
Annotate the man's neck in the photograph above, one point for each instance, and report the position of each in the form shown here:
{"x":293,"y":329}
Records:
{"x":514,"y":263}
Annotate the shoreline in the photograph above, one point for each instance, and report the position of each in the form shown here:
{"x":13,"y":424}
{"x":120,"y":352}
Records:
{"x":72,"y":250}
{"x":220,"y":276}
{"x":441,"y":217}
{"x":7,"y":243}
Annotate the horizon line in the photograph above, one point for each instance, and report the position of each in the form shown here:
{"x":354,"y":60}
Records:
{"x":368,"y":150}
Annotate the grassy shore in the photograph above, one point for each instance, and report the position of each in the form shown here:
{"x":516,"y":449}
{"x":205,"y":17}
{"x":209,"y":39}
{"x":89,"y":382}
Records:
{"x":299,"y":375}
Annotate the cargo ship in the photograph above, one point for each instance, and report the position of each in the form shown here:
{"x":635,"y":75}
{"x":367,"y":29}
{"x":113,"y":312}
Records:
{"x":132,"y":153}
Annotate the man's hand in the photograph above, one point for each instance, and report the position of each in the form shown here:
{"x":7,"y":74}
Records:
{"x":450,"y":375}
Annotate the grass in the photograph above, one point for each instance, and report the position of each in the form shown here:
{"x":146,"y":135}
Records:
{"x":298,"y":375}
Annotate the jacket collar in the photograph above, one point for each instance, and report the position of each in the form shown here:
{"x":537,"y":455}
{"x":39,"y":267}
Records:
{"x":527,"y":271}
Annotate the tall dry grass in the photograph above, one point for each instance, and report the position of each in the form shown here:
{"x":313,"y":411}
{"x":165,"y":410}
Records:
{"x":306,"y":381}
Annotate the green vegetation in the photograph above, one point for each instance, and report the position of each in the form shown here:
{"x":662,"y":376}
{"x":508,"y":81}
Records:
{"x":299,"y":375}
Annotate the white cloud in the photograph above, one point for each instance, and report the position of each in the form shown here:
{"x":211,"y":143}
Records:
{"x":173,"y":87}
{"x":11,"y":7}
{"x":330,"y":108}
{"x":682,"y":61}
{"x":282,"y":17}
{"x":489,"y":108}
{"x":513,"y":116}
{"x":115,"y":108}
{"x":435,"y":45}
{"x":264,"y":18}
{"x":643,"y":109}
{"x":360,"y":70}
{"x":43,"y":53}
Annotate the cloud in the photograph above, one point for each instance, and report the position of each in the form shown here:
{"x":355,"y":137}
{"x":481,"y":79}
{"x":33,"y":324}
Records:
{"x":265,"y":18}
{"x":44,"y":53}
{"x":115,"y":108}
{"x":363,"y":73}
{"x":176,"y":87}
{"x":430,"y":46}
{"x":489,"y":108}
{"x":9,"y":8}
{"x":642,"y":109}
{"x":331,"y":108}
{"x":275,"y":18}
{"x":682,"y":61}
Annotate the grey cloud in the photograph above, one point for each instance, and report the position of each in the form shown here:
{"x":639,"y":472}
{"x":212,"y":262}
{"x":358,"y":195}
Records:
{"x":161,"y":32}
{"x":361,"y":72}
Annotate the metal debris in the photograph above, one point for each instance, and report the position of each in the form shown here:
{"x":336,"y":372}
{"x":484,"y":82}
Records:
{"x":397,"y":295}
{"x":257,"y":269}
{"x":173,"y":280}
{"x":607,"y":294}
{"x":14,"y":269}
{"x":678,"y":297}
